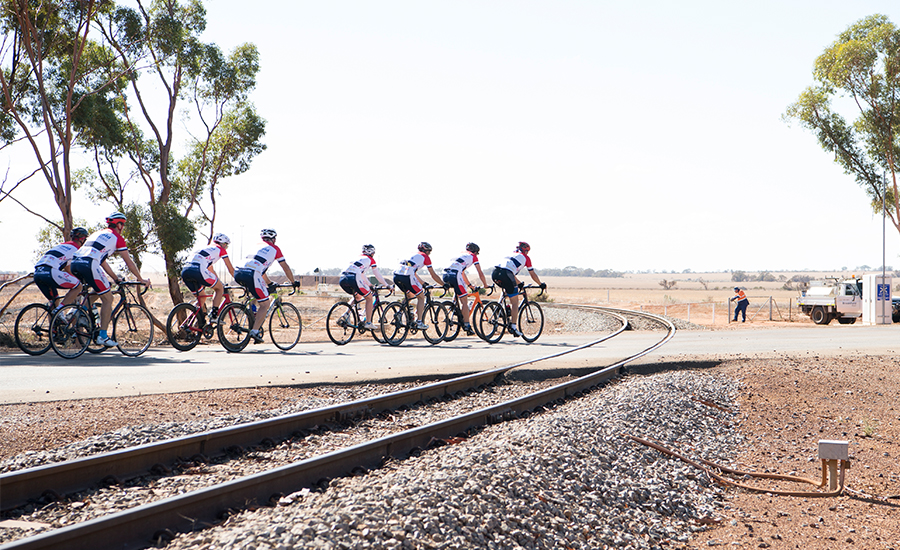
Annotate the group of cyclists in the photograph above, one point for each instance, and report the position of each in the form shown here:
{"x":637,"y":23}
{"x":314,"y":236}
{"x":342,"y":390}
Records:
{"x":83,"y":261}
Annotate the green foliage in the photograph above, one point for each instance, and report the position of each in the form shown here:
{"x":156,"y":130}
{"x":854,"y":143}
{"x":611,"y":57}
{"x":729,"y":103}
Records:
{"x":765,"y":277}
{"x":739,"y":276}
{"x":572,"y":271}
{"x":862,"y":64}
{"x":174,"y":231}
{"x":52,"y":234}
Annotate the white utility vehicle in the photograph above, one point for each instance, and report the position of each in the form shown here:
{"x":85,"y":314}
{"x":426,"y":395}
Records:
{"x":833,"y":298}
{"x":836,"y":298}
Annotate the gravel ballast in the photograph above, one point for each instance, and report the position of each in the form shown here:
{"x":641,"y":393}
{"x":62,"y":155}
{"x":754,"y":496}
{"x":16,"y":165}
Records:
{"x":565,"y":478}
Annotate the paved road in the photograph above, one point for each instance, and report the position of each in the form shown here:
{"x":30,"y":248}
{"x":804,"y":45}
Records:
{"x":162,"y":370}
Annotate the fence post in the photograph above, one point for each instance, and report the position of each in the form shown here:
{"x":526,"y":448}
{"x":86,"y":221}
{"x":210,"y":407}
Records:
{"x":714,"y":313}
{"x":689,"y":312}
{"x":770,"y":307}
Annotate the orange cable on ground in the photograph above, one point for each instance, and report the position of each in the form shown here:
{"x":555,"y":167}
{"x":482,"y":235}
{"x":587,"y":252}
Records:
{"x":726,"y":481}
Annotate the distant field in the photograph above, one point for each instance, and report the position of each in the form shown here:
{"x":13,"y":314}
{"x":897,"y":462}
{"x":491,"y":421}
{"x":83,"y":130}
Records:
{"x":643,"y":290}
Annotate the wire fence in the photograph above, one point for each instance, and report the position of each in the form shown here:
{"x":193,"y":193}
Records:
{"x":761,"y":308}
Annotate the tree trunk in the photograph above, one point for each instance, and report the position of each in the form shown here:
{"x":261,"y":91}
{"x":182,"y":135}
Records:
{"x":172,"y":277}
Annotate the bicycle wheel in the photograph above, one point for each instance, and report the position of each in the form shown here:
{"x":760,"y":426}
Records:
{"x":285,"y":326}
{"x":435,"y":318}
{"x":377,"y":316}
{"x":235,"y":323}
{"x":133,"y":329}
{"x":531,"y":321}
{"x":340,"y":324}
{"x":71,"y":330}
{"x":492,"y":322}
{"x":473,"y":316}
{"x":395,"y":323}
{"x":454,"y":321}
{"x":32,"y":329}
{"x":182,"y":327}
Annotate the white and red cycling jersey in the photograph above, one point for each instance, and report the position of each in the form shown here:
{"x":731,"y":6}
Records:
{"x":49,"y":274}
{"x":410,"y":266}
{"x":359,"y":267}
{"x":264,"y":258}
{"x":357,"y":272}
{"x":101,"y":244}
{"x":463,"y":262}
{"x":516,"y":262}
{"x":208,"y":256}
{"x":58,"y":256}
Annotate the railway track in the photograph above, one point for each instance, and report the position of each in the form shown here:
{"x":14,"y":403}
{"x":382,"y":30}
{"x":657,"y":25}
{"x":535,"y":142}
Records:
{"x":142,"y":525}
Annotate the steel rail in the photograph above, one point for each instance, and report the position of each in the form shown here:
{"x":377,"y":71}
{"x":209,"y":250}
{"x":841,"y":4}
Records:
{"x":28,"y":485}
{"x":14,"y":296}
{"x":135,"y":528}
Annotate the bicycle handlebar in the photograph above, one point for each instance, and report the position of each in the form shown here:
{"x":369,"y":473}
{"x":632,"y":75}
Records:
{"x":376,"y":288}
{"x":123,"y":284}
{"x":535,"y":286}
{"x":287,"y":285}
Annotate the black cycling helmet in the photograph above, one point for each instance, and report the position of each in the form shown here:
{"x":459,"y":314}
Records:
{"x":78,"y":233}
{"x":473,"y":248}
{"x":425,"y":247}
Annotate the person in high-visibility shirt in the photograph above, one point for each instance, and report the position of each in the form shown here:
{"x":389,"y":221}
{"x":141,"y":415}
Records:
{"x":742,"y":303}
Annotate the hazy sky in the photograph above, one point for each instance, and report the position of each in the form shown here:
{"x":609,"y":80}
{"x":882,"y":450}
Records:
{"x":612,"y":135}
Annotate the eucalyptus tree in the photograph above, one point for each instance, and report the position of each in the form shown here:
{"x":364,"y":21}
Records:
{"x":172,"y":71}
{"x":860,"y":69}
{"x":56,"y":85}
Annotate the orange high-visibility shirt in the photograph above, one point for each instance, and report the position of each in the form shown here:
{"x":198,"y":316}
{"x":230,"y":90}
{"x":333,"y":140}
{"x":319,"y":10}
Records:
{"x":741,"y":296}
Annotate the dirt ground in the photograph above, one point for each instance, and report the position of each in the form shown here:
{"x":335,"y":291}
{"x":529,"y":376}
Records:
{"x":786,"y":406}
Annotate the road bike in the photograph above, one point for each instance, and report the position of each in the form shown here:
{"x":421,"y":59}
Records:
{"x":397,"y":320}
{"x":32,"y":328}
{"x":454,"y":313}
{"x":493,"y":320}
{"x":183,"y":326}
{"x":75,"y":327}
{"x":236,"y":321}
{"x":344,"y":319}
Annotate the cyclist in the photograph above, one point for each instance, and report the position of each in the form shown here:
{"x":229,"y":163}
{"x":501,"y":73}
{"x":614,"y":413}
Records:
{"x":197,"y":274}
{"x":354,"y":282}
{"x":53,"y":271}
{"x":253,"y":277}
{"x":505,"y":276}
{"x":90,"y":264}
{"x":455,"y":276}
{"x":408,"y":281}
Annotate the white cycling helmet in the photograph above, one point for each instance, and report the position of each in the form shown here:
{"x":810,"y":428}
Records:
{"x":221,"y":238}
{"x":268,"y":234}
{"x":114,"y":218}
{"x":368,"y":249}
